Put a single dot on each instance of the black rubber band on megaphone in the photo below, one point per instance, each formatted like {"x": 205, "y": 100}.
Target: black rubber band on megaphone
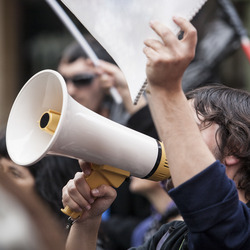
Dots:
{"x": 158, "y": 160}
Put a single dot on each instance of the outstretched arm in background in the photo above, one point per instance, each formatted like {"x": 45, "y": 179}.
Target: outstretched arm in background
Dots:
{"x": 112, "y": 76}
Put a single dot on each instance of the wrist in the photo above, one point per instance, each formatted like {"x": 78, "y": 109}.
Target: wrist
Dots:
{"x": 90, "y": 225}
{"x": 89, "y": 221}
{"x": 168, "y": 90}
{"x": 162, "y": 96}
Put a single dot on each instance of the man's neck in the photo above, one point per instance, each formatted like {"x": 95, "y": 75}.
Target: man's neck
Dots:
{"x": 242, "y": 198}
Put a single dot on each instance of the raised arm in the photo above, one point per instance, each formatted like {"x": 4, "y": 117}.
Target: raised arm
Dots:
{"x": 186, "y": 151}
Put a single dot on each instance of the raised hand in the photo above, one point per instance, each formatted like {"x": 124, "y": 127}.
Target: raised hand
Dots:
{"x": 169, "y": 58}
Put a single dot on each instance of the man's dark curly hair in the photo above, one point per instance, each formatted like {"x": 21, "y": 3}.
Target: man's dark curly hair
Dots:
{"x": 230, "y": 109}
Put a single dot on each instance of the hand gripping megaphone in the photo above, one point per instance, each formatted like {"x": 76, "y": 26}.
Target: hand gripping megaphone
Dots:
{"x": 45, "y": 119}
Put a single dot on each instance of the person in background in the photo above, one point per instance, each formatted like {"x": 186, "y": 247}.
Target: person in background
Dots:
{"x": 83, "y": 80}
{"x": 26, "y": 222}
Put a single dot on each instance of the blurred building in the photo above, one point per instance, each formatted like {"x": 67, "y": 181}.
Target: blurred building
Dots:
{"x": 32, "y": 38}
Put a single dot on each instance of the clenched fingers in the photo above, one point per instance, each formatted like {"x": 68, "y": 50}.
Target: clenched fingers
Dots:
{"x": 76, "y": 194}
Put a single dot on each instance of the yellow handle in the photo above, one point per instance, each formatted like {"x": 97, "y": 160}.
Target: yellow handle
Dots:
{"x": 101, "y": 174}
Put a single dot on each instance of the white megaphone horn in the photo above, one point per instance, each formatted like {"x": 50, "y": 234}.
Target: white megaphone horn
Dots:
{"x": 45, "y": 119}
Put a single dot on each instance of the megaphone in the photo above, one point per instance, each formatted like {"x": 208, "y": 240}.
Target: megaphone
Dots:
{"x": 46, "y": 120}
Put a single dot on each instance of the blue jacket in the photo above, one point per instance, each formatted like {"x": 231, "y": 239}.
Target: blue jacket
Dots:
{"x": 214, "y": 217}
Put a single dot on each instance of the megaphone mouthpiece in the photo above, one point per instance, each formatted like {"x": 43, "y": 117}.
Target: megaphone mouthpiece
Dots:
{"x": 49, "y": 121}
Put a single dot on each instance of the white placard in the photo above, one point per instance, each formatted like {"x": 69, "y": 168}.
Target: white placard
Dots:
{"x": 121, "y": 26}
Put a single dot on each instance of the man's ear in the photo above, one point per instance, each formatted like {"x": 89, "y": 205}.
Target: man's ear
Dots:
{"x": 232, "y": 167}
{"x": 231, "y": 160}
